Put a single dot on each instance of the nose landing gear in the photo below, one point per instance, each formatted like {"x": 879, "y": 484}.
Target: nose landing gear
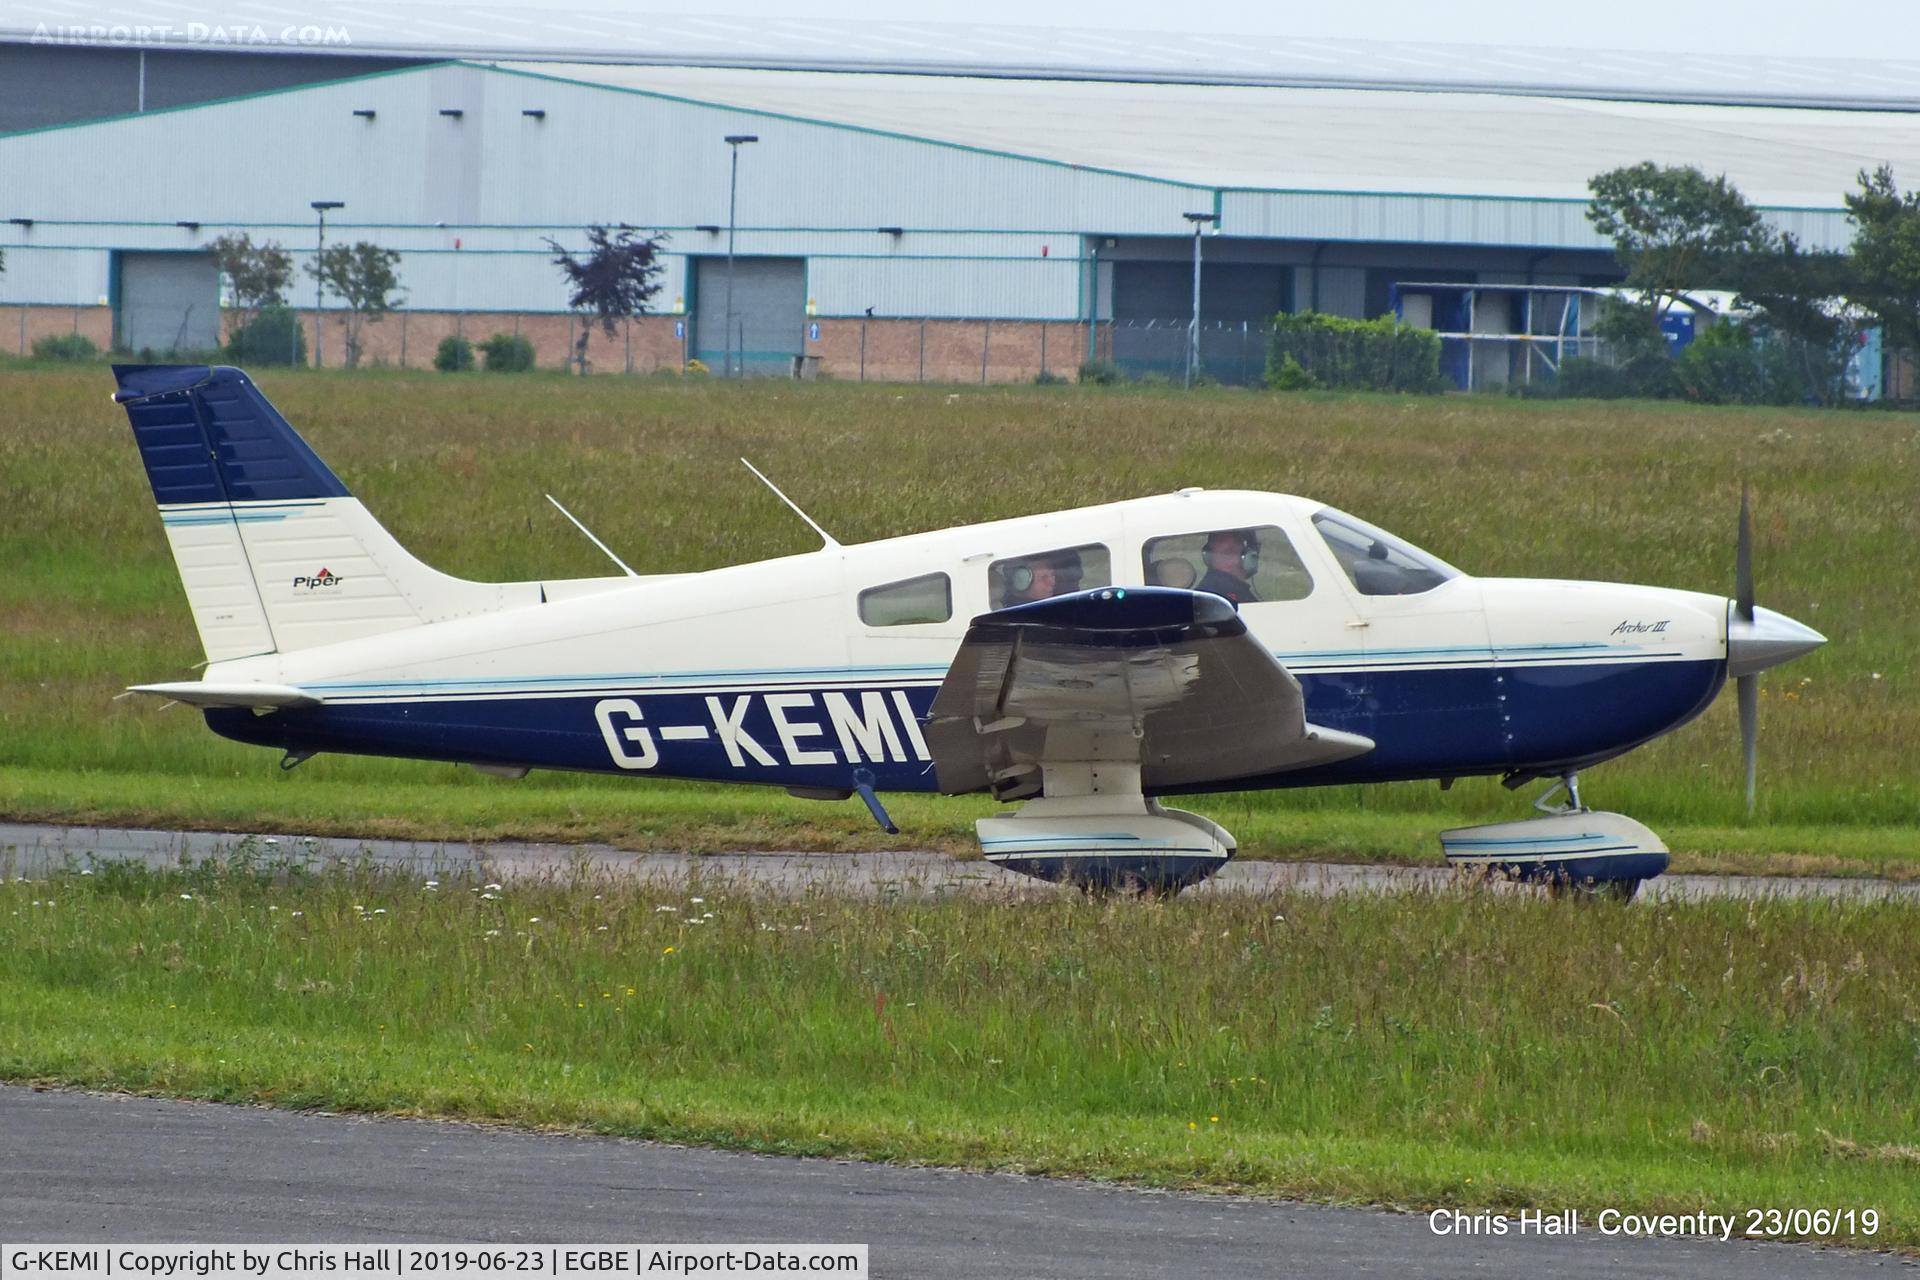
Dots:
{"x": 1572, "y": 850}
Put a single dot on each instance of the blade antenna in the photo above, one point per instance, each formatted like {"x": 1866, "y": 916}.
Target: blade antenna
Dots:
{"x": 831, "y": 543}
{"x": 624, "y": 566}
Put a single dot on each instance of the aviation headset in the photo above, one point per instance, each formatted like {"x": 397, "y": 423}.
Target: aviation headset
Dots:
{"x": 1249, "y": 548}
{"x": 1020, "y": 578}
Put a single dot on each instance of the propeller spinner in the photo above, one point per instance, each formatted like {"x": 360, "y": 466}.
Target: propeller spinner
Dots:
{"x": 1757, "y": 639}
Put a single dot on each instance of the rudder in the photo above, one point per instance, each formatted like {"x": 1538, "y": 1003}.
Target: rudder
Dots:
{"x": 275, "y": 554}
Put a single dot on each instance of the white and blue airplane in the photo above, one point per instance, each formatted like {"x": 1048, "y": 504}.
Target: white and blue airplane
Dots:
{"x": 1087, "y": 663}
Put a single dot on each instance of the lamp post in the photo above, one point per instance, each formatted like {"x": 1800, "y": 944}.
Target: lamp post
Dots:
{"x": 1198, "y": 220}
{"x": 733, "y": 192}
{"x": 320, "y": 207}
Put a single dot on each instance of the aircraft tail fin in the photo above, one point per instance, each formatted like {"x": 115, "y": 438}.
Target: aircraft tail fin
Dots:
{"x": 275, "y": 554}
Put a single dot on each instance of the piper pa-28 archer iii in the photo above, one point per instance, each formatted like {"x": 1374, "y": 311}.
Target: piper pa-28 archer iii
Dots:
{"x": 1086, "y": 662}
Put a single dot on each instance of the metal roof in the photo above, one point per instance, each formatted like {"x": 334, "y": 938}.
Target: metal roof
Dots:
{"x": 580, "y": 30}
{"x": 1378, "y": 142}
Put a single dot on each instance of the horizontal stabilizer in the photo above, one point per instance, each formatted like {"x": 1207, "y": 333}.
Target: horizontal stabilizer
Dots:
{"x": 203, "y": 694}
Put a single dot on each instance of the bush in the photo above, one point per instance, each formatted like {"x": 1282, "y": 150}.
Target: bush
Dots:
{"x": 1366, "y": 355}
{"x": 507, "y": 353}
{"x": 453, "y": 355}
{"x": 697, "y": 368}
{"x": 1290, "y": 376}
{"x": 1585, "y": 378}
{"x": 1101, "y": 373}
{"x": 1047, "y": 378}
{"x": 65, "y": 346}
{"x": 274, "y": 336}
{"x": 1724, "y": 366}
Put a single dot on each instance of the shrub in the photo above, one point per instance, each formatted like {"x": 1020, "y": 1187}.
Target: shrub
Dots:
{"x": 1290, "y": 376}
{"x": 453, "y": 355}
{"x": 274, "y": 336}
{"x": 1047, "y": 378}
{"x": 1103, "y": 373}
{"x": 1723, "y": 366}
{"x": 507, "y": 353}
{"x": 65, "y": 346}
{"x": 1585, "y": 378}
{"x": 697, "y": 368}
{"x": 1368, "y": 355}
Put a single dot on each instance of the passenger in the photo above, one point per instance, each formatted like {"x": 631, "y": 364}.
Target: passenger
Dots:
{"x": 1233, "y": 557}
{"x": 1031, "y": 580}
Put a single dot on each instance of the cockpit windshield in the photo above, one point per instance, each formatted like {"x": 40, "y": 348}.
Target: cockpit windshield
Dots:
{"x": 1377, "y": 563}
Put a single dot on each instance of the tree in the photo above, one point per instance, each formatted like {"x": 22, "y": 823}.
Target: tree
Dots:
{"x": 364, "y": 277}
{"x": 257, "y": 274}
{"x": 1886, "y": 251}
{"x": 1669, "y": 226}
{"x": 612, "y": 281}
{"x": 1801, "y": 300}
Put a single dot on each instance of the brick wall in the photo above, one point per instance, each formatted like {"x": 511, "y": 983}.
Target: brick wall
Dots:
{"x": 21, "y": 327}
{"x": 896, "y": 350}
{"x": 948, "y": 350}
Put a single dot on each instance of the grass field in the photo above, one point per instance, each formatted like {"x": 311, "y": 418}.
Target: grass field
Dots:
{"x": 457, "y": 467}
{"x": 1457, "y": 1048}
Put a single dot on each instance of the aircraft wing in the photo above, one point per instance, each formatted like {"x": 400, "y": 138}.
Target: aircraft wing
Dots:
{"x": 201, "y": 694}
{"x": 1169, "y": 680}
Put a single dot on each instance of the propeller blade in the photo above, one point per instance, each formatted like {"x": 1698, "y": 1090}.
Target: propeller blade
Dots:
{"x": 1749, "y": 691}
{"x": 1743, "y": 563}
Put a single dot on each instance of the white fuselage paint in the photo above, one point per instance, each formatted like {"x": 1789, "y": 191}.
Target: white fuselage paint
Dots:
{"x": 750, "y": 638}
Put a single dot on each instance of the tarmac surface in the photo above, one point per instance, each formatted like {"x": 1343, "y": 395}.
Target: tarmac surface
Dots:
{"x": 84, "y": 1168}
{"x": 33, "y": 850}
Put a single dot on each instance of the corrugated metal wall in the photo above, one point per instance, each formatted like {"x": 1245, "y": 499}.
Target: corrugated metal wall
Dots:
{"x": 451, "y": 171}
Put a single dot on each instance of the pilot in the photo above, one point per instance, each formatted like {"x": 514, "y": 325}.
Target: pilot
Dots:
{"x": 1233, "y": 557}
{"x": 1030, "y": 580}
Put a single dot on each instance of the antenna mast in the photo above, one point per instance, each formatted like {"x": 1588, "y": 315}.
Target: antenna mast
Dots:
{"x": 624, "y": 567}
{"x": 831, "y": 543}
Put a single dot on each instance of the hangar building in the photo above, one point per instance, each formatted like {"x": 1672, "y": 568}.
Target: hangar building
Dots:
{"x": 893, "y": 226}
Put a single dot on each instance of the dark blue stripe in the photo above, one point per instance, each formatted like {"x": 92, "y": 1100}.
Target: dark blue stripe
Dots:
{"x": 1426, "y": 724}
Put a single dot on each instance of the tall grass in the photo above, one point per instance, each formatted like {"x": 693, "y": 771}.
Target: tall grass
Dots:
{"x": 89, "y": 600}
{"x": 1449, "y": 1048}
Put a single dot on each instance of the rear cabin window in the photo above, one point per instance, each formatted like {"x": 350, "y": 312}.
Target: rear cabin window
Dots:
{"x": 1247, "y": 566}
{"x": 908, "y": 602}
{"x": 1024, "y": 579}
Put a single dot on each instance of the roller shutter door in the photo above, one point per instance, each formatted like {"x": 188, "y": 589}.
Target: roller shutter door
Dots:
{"x": 770, "y": 313}
{"x": 169, "y": 302}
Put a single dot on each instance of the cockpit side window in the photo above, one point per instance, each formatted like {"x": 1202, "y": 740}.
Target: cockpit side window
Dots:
{"x": 1247, "y": 566}
{"x": 910, "y": 602}
{"x": 1376, "y": 562}
{"x": 1026, "y": 578}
